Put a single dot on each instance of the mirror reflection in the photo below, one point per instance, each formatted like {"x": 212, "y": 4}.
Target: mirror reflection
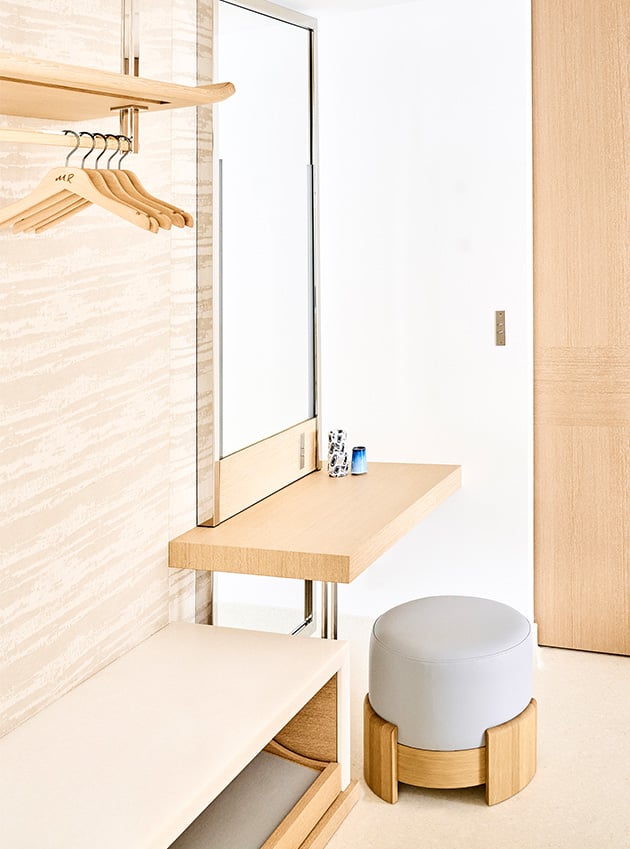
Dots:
{"x": 264, "y": 144}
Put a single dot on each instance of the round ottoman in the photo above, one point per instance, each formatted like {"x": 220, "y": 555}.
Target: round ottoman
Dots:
{"x": 450, "y": 698}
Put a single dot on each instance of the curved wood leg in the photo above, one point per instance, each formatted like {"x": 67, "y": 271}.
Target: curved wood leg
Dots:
{"x": 380, "y": 758}
{"x": 506, "y": 764}
{"x": 511, "y": 755}
{"x": 441, "y": 770}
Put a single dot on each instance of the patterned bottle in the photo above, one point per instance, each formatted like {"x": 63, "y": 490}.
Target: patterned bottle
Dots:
{"x": 337, "y": 454}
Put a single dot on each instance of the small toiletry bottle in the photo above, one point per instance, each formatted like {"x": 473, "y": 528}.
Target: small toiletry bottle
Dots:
{"x": 359, "y": 460}
{"x": 337, "y": 454}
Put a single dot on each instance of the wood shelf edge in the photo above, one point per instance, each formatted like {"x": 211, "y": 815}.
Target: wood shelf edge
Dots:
{"x": 188, "y": 551}
{"x": 23, "y": 80}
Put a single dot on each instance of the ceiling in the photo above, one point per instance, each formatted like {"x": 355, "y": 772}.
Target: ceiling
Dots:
{"x": 315, "y": 6}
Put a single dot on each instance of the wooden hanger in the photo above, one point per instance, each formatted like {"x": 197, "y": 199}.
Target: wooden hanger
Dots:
{"x": 135, "y": 191}
{"x": 44, "y": 215}
{"x": 132, "y": 185}
{"x": 76, "y": 181}
{"x": 6, "y": 218}
{"x": 49, "y": 217}
{"x": 186, "y": 217}
{"x": 39, "y": 211}
{"x": 122, "y": 188}
{"x": 65, "y": 191}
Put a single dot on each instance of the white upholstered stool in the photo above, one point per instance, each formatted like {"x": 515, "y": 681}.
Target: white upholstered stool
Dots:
{"x": 450, "y": 698}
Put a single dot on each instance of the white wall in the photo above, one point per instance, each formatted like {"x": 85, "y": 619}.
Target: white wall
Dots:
{"x": 425, "y": 128}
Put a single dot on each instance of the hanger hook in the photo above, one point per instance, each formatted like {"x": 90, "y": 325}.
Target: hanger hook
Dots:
{"x": 118, "y": 139}
{"x": 127, "y": 152}
{"x": 102, "y": 136}
{"x": 91, "y": 135}
{"x": 76, "y": 147}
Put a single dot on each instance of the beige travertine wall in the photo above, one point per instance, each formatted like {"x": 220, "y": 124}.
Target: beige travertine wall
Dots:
{"x": 97, "y": 435}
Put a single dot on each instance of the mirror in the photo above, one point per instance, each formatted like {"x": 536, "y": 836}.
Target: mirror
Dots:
{"x": 263, "y": 145}
{"x": 265, "y": 409}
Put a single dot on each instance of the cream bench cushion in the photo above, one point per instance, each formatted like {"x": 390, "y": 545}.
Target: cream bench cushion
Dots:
{"x": 130, "y": 757}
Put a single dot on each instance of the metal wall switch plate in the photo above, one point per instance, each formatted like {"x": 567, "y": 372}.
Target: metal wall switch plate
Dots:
{"x": 499, "y": 326}
{"x": 302, "y": 450}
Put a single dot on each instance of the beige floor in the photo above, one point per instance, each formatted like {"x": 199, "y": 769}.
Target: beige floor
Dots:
{"x": 579, "y": 798}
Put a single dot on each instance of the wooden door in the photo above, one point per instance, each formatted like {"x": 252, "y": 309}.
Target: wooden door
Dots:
{"x": 581, "y": 79}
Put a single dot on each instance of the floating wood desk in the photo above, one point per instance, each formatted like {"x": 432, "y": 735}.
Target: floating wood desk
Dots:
{"x": 320, "y": 528}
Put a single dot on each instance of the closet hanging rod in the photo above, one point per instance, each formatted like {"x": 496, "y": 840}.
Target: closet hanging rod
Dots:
{"x": 48, "y": 137}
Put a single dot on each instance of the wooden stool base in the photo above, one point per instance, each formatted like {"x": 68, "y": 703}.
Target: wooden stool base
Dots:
{"x": 506, "y": 764}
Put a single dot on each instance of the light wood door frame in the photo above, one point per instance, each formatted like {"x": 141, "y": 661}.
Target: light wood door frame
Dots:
{"x": 581, "y": 99}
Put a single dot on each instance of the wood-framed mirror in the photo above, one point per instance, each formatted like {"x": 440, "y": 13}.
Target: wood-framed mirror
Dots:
{"x": 264, "y": 334}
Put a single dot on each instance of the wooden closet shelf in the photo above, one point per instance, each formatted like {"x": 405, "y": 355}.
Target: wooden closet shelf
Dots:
{"x": 37, "y": 89}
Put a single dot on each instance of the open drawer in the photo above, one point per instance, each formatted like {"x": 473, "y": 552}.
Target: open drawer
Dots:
{"x": 276, "y": 801}
{"x": 289, "y": 796}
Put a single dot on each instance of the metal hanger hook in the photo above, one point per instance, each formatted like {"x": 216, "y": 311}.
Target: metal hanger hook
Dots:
{"x": 118, "y": 139}
{"x": 127, "y": 152}
{"x": 76, "y": 147}
{"x": 91, "y": 135}
{"x": 102, "y": 136}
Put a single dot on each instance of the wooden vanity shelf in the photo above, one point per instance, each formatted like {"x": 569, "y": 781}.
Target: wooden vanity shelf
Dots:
{"x": 35, "y": 88}
{"x": 321, "y": 528}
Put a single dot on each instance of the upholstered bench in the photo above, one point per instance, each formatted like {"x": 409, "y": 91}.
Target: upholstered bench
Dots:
{"x": 450, "y": 698}
{"x": 199, "y": 736}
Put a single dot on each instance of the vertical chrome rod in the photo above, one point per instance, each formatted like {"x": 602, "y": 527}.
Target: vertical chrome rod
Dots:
{"x": 332, "y": 626}
{"x": 308, "y": 609}
{"x": 324, "y": 623}
{"x": 130, "y": 62}
{"x": 329, "y": 611}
